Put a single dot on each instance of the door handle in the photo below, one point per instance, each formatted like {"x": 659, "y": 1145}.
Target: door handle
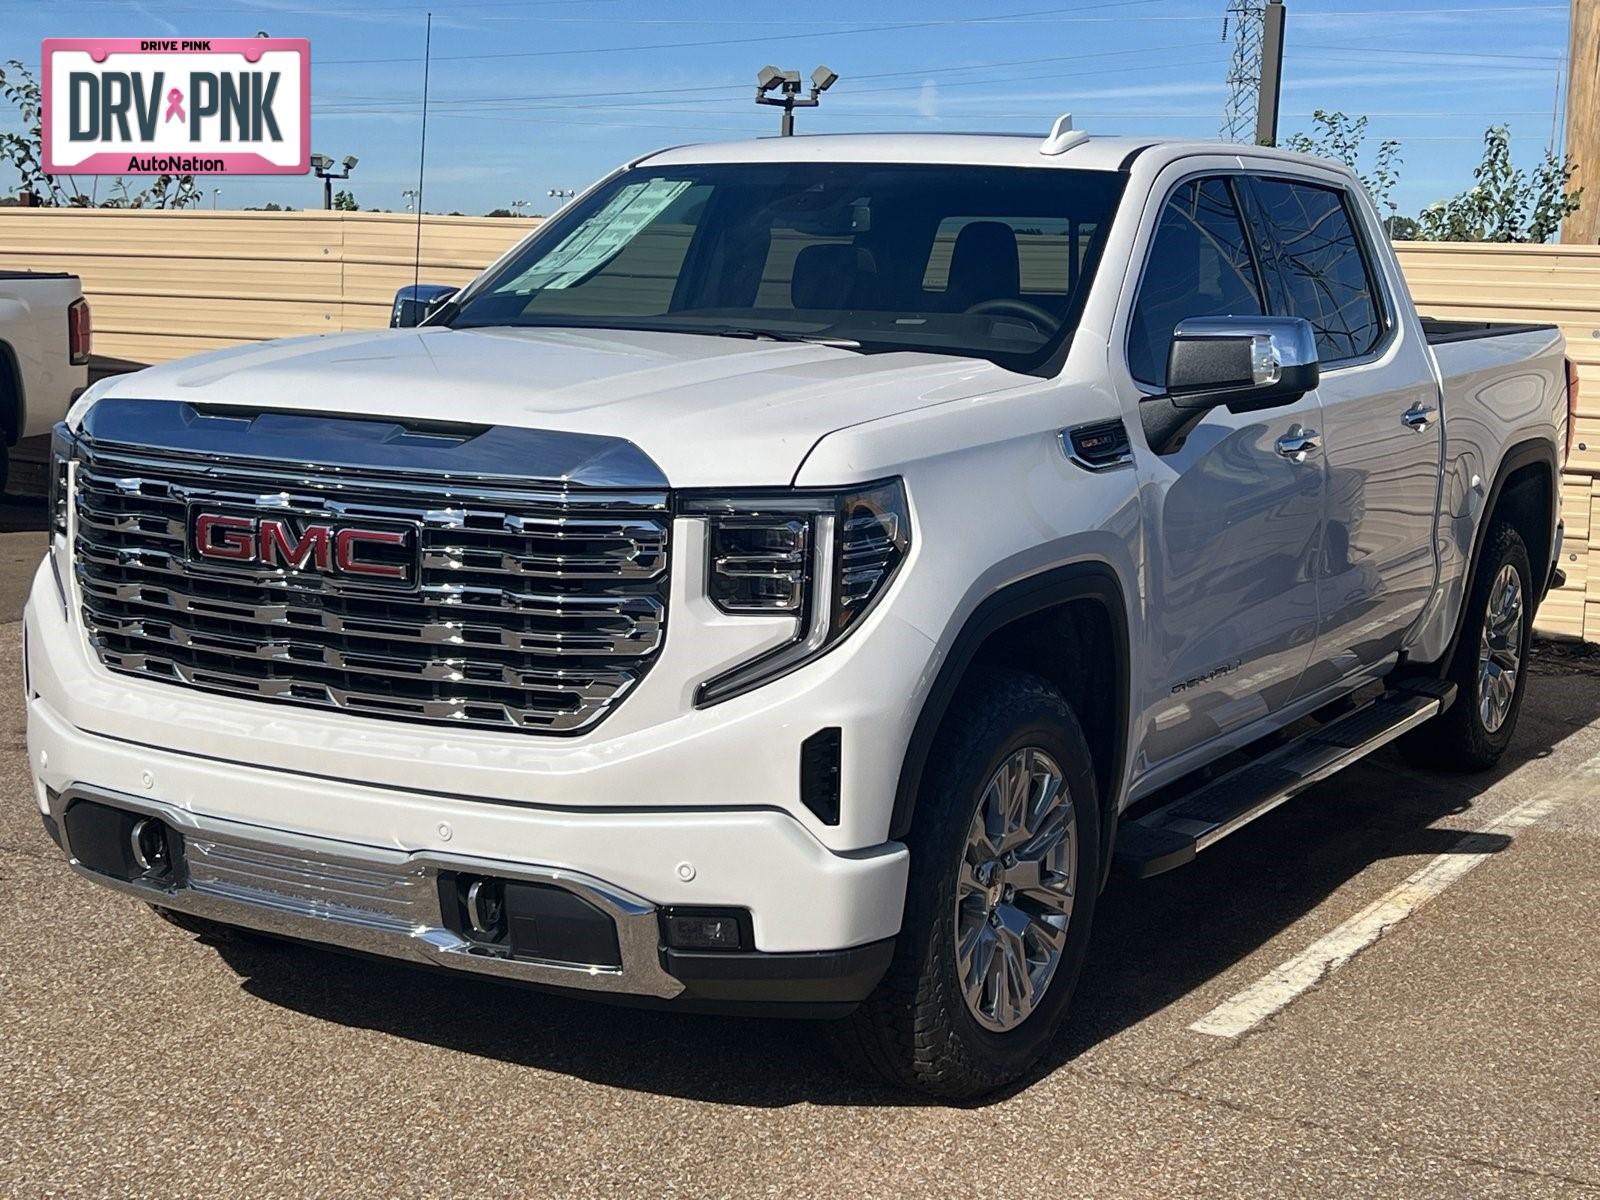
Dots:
{"x": 1298, "y": 443}
{"x": 1418, "y": 417}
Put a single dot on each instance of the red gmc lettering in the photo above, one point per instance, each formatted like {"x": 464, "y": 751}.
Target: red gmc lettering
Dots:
{"x": 234, "y": 540}
{"x": 280, "y": 548}
{"x": 347, "y": 542}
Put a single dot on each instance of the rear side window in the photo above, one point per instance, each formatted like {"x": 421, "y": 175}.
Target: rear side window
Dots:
{"x": 1314, "y": 266}
{"x": 1199, "y": 266}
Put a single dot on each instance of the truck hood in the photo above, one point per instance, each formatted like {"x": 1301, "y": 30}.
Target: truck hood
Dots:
{"x": 710, "y": 411}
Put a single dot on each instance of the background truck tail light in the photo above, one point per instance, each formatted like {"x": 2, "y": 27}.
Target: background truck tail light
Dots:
{"x": 80, "y": 333}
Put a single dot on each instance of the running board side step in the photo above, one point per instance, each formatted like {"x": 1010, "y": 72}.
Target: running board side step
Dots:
{"x": 1172, "y": 835}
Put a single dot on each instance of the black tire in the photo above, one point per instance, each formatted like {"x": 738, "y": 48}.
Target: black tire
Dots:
{"x": 1459, "y": 739}
{"x": 916, "y": 1029}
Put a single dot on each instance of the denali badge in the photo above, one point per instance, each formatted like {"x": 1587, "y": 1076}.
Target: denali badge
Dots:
{"x": 301, "y": 545}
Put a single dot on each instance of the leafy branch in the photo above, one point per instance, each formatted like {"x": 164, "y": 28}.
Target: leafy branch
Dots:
{"x": 1505, "y": 204}
{"x": 25, "y": 152}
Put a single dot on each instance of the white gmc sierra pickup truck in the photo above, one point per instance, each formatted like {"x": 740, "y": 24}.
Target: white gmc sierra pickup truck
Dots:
{"x": 44, "y": 354}
{"x": 794, "y": 576}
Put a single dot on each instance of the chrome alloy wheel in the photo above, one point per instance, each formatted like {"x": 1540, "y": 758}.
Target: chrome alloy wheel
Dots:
{"x": 1019, "y": 873}
{"x": 1500, "y": 651}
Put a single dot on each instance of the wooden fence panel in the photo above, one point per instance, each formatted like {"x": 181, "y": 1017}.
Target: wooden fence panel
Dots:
{"x": 167, "y": 284}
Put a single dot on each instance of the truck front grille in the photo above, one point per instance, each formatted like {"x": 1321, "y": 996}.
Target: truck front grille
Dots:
{"x": 535, "y": 610}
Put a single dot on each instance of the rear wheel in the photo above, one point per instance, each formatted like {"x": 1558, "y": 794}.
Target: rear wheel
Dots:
{"x": 1005, "y": 870}
{"x": 1490, "y": 664}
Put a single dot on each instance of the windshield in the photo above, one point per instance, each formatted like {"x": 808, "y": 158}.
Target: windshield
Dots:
{"x": 988, "y": 262}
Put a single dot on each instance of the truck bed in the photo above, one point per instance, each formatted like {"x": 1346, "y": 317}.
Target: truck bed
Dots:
{"x": 1441, "y": 332}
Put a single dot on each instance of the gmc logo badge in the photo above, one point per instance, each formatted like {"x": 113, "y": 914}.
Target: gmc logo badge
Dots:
{"x": 371, "y": 554}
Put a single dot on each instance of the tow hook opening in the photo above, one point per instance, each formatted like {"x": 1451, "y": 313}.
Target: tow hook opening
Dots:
{"x": 124, "y": 845}
{"x": 512, "y": 918}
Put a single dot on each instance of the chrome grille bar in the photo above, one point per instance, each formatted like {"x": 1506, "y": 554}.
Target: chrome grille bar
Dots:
{"x": 535, "y": 608}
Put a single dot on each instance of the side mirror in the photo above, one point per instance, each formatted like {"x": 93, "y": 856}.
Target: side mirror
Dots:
{"x": 1244, "y": 364}
{"x": 415, "y": 303}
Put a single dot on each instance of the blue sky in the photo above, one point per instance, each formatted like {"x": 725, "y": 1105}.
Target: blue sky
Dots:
{"x": 529, "y": 95}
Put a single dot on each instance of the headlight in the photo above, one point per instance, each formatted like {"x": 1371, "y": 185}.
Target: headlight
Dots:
{"x": 824, "y": 557}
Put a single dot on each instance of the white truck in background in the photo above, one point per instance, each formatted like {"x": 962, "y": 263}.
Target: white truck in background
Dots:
{"x": 44, "y": 354}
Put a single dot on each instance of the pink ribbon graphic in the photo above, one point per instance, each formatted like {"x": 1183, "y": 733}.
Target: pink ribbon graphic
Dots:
{"x": 175, "y": 106}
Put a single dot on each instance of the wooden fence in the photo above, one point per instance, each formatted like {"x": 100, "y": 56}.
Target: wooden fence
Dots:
{"x": 1559, "y": 284}
{"x": 166, "y": 284}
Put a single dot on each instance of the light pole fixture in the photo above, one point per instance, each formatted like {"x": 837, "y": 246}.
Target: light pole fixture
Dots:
{"x": 782, "y": 88}
{"x": 410, "y": 197}
{"x": 215, "y": 192}
{"x": 517, "y": 206}
{"x": 562, "y": 195}
{"x": 323, "y": 166}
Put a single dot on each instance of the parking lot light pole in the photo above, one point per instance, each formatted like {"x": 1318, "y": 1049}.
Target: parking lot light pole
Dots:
{"x": 323, "y": 166}
{"x": 782, "y": 89}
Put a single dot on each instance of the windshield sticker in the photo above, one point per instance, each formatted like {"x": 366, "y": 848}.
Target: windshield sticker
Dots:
{"x": 602, "y": 236}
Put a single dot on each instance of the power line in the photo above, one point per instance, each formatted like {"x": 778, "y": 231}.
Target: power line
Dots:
{"x": 515, "y": 102}
{"x": 1538, "y": 58}
{"x": 749, "y": 41}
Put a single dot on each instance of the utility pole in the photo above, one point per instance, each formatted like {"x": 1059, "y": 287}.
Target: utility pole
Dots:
{"x": 1271, "y": 74}
{"x": 1583, "y": 122}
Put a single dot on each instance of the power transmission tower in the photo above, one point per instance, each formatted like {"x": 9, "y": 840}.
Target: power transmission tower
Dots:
{"x": 1244, "y": 68}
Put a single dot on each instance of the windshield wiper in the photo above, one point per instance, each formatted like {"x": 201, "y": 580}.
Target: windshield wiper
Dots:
{"x": 778, "y": 335}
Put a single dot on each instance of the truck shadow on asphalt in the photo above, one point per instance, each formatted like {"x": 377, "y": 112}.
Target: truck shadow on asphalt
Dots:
{"x": 22, "y": 514}
{"x": 1155, "y": 942}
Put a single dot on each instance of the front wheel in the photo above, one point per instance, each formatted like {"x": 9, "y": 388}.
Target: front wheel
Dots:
{"x": 1005, "y": 870}
{"x": 1490, "y": 667}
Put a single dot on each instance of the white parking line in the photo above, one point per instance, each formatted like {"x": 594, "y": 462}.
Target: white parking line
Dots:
{"x": 1276, "y": 990}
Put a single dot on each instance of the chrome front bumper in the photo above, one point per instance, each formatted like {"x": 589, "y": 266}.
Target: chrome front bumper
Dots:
{"x": 363, "y": 898}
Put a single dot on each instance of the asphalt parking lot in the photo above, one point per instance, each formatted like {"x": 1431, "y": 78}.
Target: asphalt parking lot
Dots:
{"x": 1458, "y": 1054}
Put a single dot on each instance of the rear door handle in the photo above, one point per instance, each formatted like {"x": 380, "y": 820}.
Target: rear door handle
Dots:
{"x": 1417, "y": 417}
{"x": 1298, "y": 443}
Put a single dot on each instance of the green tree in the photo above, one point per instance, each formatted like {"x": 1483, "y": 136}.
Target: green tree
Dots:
{"x": 1340, "y": 138}
{"x": 25, "y": 152}
{"x": 1505, "y": 204}
{"x": 345, "y": 202}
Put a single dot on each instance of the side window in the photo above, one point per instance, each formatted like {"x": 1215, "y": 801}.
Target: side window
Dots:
{"x": 1199, "y": 266}
{"x": 1311, "y": 255}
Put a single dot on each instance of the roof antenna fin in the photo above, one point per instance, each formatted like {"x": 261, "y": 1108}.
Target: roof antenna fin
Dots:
{"x": 1063, "y": 136}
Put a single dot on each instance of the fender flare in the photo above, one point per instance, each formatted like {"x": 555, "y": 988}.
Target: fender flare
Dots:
{"x": 1091, "y": 580}
{"x": 1533, "y": 451}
